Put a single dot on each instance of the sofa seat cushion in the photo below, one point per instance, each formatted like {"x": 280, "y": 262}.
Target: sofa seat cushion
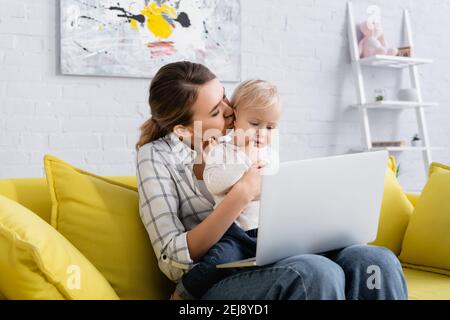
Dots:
{"x": 424, "y": 285}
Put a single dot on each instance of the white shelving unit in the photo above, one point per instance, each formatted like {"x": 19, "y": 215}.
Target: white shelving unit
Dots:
{"x": 401, "y": 63}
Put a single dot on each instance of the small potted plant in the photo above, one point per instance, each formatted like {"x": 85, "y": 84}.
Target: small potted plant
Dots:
{"x": 416, "y": 141}
{"x": 380, "y": 95}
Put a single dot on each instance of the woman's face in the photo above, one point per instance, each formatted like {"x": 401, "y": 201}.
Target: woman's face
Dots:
{"x": 212, "y": 112}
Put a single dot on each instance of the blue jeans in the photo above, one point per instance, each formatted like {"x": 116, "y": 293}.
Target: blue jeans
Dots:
{"x": 358, "y": 272}
{"x": 235, "y": 245}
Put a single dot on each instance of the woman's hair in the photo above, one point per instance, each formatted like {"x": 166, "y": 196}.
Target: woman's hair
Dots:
{"x": 255, "y": 94}
{"x": 173, "y": 91}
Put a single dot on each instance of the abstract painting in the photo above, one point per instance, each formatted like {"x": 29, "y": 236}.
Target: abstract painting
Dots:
{"x": 134, "y": 38}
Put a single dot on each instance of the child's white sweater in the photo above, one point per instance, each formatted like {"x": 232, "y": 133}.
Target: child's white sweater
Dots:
{"x": 225, "y": 164}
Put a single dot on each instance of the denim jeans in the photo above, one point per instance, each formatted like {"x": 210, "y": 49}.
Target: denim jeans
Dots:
{"x": 235, "y": 245}
{"x": 357, "y": 272}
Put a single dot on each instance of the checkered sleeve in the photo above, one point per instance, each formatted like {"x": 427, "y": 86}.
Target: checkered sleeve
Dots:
{"x": 158, "y": 206}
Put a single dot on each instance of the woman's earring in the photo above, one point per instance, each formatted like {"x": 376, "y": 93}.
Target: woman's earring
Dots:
{"x": 180, "y": 137}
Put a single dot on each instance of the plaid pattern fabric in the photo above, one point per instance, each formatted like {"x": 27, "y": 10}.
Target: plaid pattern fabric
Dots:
{"x": 170, "y": 201}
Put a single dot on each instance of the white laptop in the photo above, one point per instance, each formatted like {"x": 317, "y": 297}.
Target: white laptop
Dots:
{"x": 318, "y": 205}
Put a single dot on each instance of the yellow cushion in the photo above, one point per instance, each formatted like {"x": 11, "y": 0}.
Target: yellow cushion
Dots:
{"x": 395, "y": 213}
{"x": 36, "y": 262}
{"x": 392, "y": 164}
{"x": 413, "y": 198}
{"x": 101, "y": 218}
{"x": 33, "y": 194}
{"x": 424, "y": 285}
{"x": 427, "y": 239}
{"x": 438, "y": 167}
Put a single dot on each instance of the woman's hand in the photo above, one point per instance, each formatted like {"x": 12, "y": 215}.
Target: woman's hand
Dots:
{"x": 250, "y": 183}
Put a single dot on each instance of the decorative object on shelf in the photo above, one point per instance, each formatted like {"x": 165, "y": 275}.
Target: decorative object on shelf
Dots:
{"x": 416, "y": 141}
{"x": 373, "y": 43}
{"x": 404, "y": 52}
{"x": 380, "y": 95}
{"x": 134, "y": 38}
{"x": 409, "y": 94}
{"x": 388, "y": 144}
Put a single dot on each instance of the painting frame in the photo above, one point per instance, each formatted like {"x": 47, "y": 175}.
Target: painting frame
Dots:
{"x": 227, "y": 68}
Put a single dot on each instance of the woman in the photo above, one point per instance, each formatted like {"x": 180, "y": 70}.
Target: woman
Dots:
{"x": 189, "y": 107}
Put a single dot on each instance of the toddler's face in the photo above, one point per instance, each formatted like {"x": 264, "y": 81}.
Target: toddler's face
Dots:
{"x": 256, "y": 125}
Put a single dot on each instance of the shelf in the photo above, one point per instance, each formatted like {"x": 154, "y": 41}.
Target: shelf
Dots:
{"x": 401, "y": 149}
{"x": 398, "y": 149}
{"x": 395, "y": 105}
{"x": 392, "y": 61}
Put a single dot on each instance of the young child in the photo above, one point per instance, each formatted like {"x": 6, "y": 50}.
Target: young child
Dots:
{"x": 257, "y": 111}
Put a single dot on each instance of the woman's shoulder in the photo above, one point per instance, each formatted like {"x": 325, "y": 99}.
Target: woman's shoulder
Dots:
{"x": 163, "y": 144}
{"x": 168, "y": 150}
{"x": 154, "y": 150}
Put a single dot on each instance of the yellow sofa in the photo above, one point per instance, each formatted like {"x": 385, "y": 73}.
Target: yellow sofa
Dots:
{"x": 33, "y": 194}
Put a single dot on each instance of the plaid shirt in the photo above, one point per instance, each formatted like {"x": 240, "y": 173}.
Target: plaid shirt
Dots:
{"x": 170, "y": 201}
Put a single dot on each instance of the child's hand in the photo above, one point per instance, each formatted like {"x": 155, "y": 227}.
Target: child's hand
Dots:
{"x": 250, "y": 183}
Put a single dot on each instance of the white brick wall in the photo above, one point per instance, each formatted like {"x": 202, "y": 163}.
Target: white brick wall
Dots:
{"x": 300, "y": 45}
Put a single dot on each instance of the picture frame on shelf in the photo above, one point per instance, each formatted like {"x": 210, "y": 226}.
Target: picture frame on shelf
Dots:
{"x": 404, "y": 52}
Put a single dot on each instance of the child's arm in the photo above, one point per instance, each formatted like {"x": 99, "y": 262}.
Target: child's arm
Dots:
{"x": 219, "y": 179}
{"x": 222, "y": 171}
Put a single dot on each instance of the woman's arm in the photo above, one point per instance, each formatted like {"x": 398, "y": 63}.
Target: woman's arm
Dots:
{"x": 175, "y": 248}
{"x": 158, "y": 208}
{"x": 205, "y": 235}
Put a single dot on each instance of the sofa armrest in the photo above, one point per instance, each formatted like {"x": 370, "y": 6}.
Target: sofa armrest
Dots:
{"x": 413, "y": 198}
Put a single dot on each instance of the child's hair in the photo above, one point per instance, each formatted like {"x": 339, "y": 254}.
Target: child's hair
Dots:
{"x": 255, "y": 94}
